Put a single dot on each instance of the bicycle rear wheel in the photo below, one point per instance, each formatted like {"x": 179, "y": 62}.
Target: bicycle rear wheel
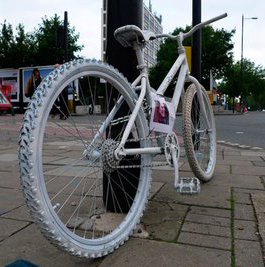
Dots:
{"x": 85, "y": 201}
{"x": 199, "y": 141}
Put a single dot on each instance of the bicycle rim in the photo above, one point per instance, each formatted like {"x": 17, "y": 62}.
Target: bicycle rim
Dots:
{"x": 85, "y": 202}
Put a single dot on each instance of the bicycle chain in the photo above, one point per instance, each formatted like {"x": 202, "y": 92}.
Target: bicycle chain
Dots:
{"x": 125, "y": 119}
{"x": 136, "y": 166}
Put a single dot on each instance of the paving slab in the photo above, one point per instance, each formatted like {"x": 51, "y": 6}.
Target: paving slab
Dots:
{"x": 244, "y": 212}
{"x": 10, "y": 180}
{"x": 236, "y": 162}
{"x": 222, "y": 169}
{"x": 9, "y": 157}
{"x": 139, "y": 252}
{"x": 253, "y": 154}
{"x": 163, "y": 222}
{"x": 206, "y": 229}
{"x": 258, "y": 199}
{"x": 249, "y": 190}
{"x": 211, "y": 220}
{"x": 9, "y": 227}
{"x": 155, "y": 187}
{"x": 29, "y": 244}
{"x": 8, "y": 166}
{"x": 245, "y": 230}
{"x": 21, "y": 213}
{"x": 231, "y": 152}
{"x": 225, "y": 213}
{"x": 219, "y": 169}
{"x": 214, "y": 196}
{"x": 246, "y": 170}
{"x": 163, "y": 177}
{"x": 259, "y": 163}
{"x": 10, "y": 199}
{"x": 248, "y": 253}
{"x": 243, "y": 198}
{"x": 218, "y": 242}
{"x": 5, "y": 147}
{"x": 244, "y": 158}
{"x": 235, "y": 180}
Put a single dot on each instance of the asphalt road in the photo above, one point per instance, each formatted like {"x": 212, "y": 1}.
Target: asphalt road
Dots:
{"x": 247, "y": 129}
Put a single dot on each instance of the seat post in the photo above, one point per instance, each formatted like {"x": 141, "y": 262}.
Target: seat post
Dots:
{"x": 140, "y": 59}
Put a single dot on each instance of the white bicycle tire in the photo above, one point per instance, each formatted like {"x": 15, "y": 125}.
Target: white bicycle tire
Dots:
{"x": 31, "y": 170}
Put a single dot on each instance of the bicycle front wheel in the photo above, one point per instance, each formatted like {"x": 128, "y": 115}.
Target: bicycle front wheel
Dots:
{"x": 199, "y": 140}
{"x": 85, "y": 201}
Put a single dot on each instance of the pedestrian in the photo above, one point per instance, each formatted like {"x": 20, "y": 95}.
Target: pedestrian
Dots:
{"x": 32, "y": 83}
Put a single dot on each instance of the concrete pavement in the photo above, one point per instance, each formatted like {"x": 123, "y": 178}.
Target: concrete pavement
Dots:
{"x": 222, "y": 226}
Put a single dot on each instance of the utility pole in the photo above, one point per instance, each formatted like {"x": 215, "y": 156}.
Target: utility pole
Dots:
{"x": 120, "y": 13}
{"x": 196, "y": 58}
{"x": 196, "y": 40}
{"x": 66, "y": 54}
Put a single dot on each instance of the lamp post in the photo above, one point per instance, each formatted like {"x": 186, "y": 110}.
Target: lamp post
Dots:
{"x": 242, "y": 48}
{"x": 196, "y": 40}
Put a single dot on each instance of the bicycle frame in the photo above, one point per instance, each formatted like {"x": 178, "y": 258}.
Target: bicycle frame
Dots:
{"x": 180, "y": 65}
{"x": 142, "y": 82}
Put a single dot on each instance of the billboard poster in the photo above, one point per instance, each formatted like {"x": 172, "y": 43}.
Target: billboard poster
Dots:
{"x": 9, "y": 77}
{"x": 26, "y": 76}
{"x": 3, "y": 100}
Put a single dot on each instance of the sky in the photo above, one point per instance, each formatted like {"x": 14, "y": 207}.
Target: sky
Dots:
{"x": 85, "y": 16}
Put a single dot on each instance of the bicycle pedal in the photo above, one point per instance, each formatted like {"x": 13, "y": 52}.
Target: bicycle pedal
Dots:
{"x": 188, "y": 186}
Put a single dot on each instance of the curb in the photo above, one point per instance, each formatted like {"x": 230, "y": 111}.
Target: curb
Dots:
{"x": 240, "y": 146}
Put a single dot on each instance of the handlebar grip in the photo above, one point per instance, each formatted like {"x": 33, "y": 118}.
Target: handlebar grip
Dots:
{"x": 200, "y": 25}
{"x": 214, "y": 19}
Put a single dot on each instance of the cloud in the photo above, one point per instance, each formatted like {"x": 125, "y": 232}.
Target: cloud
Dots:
{"x": 86, "y": 17}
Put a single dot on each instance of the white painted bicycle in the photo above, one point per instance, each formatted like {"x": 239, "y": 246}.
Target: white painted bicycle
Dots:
{"x": 86, "y": 179}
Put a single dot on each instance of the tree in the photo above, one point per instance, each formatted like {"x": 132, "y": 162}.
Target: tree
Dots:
{"x": 47, "y": 52}
{"x": 22, "y": 48}
{"x": 36, "y": 48}
{"x": 6, "y": 43}
{"x": 216, "y": 54}
{"x": 252, "y": 83}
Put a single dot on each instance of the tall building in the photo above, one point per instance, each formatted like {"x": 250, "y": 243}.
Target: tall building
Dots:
{"x": 104, "y": 30}
{"x": 151, "y": 22}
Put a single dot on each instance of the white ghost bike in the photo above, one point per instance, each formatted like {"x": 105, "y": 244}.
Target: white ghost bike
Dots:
{"x": 86, "y": 179}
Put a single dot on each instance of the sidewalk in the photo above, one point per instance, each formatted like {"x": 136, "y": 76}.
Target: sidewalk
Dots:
{"x": 222, "y": 226}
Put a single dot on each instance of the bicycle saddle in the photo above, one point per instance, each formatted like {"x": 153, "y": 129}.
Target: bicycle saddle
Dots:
{"x": 130, "y": 34}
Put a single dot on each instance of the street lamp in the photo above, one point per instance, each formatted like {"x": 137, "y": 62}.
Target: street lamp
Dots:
{"x": 242, "y": 40}
{"x": 242, "y": 46}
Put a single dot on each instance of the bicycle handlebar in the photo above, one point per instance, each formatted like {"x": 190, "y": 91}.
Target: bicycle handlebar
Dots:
{"x": 200, "y": 25}
{"x": 195, "y": 28}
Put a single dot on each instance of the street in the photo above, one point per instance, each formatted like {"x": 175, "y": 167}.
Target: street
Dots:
{"x": 248, "y": 129}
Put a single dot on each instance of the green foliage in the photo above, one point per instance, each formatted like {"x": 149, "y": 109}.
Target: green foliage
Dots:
{"x": 36, "y": 48}
{"x": 45, "y": 37}
{"x": 13, "y": 49}
{"x": 216, "y": 54}
{"x": 248, "y": 82}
